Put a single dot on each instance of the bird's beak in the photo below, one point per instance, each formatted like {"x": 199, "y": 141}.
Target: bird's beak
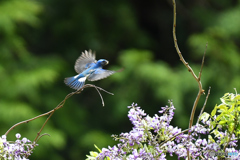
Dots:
{"x": 107, "y": 62}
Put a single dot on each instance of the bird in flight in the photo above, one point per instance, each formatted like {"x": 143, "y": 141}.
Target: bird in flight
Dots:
{"x": 87, "y": 68}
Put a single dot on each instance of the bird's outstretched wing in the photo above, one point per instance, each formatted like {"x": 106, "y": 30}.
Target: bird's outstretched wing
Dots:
{"x": 86, "y": 60}
{"x": 74, "y": 82}
{"x": 100, "y": 74}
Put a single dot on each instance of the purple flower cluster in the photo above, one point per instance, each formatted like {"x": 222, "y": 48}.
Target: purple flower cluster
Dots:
{"x": 18, "y": 150}
{"x": 152, "y": 138}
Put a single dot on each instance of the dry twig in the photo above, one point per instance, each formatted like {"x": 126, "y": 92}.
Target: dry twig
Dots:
{"x": 60, "y": 105}
{"x": 204, "y": 105}
{"x": 197, "y": 78}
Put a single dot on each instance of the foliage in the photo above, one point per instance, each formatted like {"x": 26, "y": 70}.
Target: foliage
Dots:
{"x": 228, "y": 117}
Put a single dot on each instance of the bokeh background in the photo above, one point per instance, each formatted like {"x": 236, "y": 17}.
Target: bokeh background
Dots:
{"x": 41, "y": 39}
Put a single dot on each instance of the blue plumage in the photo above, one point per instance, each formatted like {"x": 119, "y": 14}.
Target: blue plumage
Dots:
{"x": 87, "y": 68}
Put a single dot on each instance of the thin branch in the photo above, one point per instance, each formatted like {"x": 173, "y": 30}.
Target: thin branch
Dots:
{"x": 201, "y": 91}
{"x": 187, "y": 65}
{"x": 200, "y": 73}
{"x": 100, "y": 95}
{"x": 45, "y": 134}
{"x": 103, "y": 90}
{"x": 44, "y": 124}
{"x": 44, "y": 114}
{"x": 204, "y": 105}
{"x": 35, "y": 142}
{"x": 26, "y": 121}
{"x": 173, "y": 137}
{"x": 60, "y": 105}
{"x": 176, "y": 44}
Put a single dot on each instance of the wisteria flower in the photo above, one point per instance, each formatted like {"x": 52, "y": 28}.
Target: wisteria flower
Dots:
{"x": 154, "y": 138}
{"x": 19, "y": 150}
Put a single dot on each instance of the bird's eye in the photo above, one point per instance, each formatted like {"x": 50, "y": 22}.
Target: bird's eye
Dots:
{"x": 104, "y": 62}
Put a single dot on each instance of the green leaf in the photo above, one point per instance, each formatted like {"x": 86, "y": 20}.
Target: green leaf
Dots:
{"x": 232, "y": 108}
{"x": 100, "y": 151}
{"x": 237, "y": 98}
{"x": 231, "y": 126}
{"x": 213, "y": 113}
{"x": 222, "y": 107}
{"x": 222, "y": 122}
{"x": 212, "y": 125}
{"x": 211, "y": 139}
{"x": 204, "y": 116}
{"x": 93, "y": 154}
{"x": 219, "y": 116}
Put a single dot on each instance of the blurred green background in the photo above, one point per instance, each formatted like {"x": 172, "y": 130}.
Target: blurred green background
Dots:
{"x": 41, "y": 39}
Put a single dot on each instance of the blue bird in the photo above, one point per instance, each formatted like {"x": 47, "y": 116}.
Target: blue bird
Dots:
{"x": 87, "y": 68}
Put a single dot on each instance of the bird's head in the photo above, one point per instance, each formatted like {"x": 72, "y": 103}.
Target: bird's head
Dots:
{"x": 102, "y": 62}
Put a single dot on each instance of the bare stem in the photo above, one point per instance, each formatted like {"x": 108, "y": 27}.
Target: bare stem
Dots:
{"x": 44, "y": 124}
{"x": 60, "y": 105}
{"x": 201, "y": 91}
{"x": 204, "y": 104}
{"x": 173, "y": 137}
{"x": 26, "y": 121}
{"x": 198, "y": 79}
{"x": 200, "y": 73}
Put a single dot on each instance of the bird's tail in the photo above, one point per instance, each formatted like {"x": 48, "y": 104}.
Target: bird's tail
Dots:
{"x": 75, "y": 82}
